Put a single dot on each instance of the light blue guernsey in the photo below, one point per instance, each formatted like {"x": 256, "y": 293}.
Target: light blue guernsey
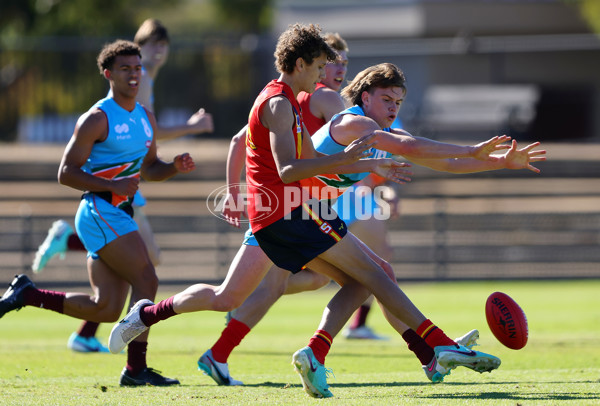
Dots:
{"x": 324, "y": 143}
{"x": 121, "y": 154}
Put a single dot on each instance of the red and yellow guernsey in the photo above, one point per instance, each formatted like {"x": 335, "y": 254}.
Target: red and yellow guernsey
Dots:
{"x": 269, "y": 199}
{"x": 312, "y": 122}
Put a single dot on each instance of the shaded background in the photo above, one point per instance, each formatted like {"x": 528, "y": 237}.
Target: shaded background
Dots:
{"x": 474, "y": 68}
{"x": 528, "y": 68}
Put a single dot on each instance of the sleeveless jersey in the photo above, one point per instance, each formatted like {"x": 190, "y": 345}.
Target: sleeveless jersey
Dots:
{"x": 121, "y": 154}
{"x": 145, "y": 97}
{"x": 333, "y": 185}
{"x": 269, "y": 199}
{"x": 312, "y": 122}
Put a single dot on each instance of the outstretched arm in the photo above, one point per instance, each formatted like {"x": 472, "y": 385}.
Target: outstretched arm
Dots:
{"x": 350, "y": 127}
{"x": 514, "y": 158}
{"x": 522, "y": 158}
{"x": 400, "y": 142}
{"x": 154, "y": 169}
{"x": 392, "y": 170}
{"x": 199, "y": 122}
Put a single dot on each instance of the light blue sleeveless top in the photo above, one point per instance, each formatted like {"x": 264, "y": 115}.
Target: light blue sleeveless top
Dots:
{"x": 324, "y": 143}
{"x": 129, "y": 136}
{"x": 138, "y": 199}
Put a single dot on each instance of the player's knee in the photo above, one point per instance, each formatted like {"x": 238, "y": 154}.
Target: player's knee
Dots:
{"x": 273, "y": 292}
{"x": 108, "y": 311}
{"x": 318, "y": 281}
{"x": 112, "y": 315}
{"x": 155, "y": 260}
{"x": 155, "y": 257}
{"x": 149, "y": 280}
{"x": 226, "y": 303}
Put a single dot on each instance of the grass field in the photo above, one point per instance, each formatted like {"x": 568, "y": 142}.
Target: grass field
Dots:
{"x": 559, "y": 366}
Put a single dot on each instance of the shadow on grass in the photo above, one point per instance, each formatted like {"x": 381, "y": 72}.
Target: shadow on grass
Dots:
{"x": 345, "y": 385}
{"x": 336, "y": 354}
{"x": 537, "y": 396}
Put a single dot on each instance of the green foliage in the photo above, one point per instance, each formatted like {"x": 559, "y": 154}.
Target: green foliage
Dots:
{"x": 244, "y": 15}
{"x": 559, "y": 366}
{"x": 47, "y": 63}
{"x": 72, "y": 18}
{"x": 120, "y": 18}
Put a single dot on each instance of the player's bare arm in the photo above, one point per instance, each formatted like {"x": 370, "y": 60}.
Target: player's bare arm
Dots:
{"x": 235, "y": 165}
{"x": 388, "y": 168}
{"x": 400, "y": 142}
{"x": 325, "y": 103}
{"x": 513, "y": 158}
{"x": 350, "y": 127}
{"x": 154, "y": 169}
{"x": 277, "y": 116}
{"x": 308, "y": 148}
{"x": 145, "y": 91}
{"x": 92, "y": 127}
{"x": 199, "y": 122}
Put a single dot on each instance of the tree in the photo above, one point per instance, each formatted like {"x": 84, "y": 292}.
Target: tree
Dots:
{"x": 252, "y": 16}
{"x": 105, "y": 18}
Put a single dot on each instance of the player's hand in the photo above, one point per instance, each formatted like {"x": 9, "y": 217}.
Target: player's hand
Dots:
{"x": 232, "y": 211}
{"x": 392, "y": 170}
{"x": 483, "y": 150}
{"x": 201, "y": 122}
{"x": 521, "y": 158}
{"x": 125, "y": 186}
{"x": 359, "y": 149}
{"x": 184, "y": 163}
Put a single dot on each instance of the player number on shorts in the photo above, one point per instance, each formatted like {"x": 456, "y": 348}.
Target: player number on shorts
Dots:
{"x": 326, "y": 228}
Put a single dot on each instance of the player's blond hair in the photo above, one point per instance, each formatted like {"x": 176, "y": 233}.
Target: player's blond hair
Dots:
{"x": 151, "y": 30}
{"x": 335, "y": 41}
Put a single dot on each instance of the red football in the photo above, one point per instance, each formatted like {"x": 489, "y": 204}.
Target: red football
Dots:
{"x": 507, "y": 320}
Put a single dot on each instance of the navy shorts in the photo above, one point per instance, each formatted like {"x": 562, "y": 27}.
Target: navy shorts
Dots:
{"x": 300, "y": 236}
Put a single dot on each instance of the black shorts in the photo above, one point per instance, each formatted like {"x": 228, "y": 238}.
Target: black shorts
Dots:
{"x": 302, "y": 235}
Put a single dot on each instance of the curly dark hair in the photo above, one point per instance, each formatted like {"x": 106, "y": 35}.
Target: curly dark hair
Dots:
{"x": 106, "y": 57}
{"x": 300, "y": 41}
{"x": 383, "y": 75}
